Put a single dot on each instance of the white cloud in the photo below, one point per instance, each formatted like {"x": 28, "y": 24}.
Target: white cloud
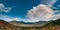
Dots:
{"x": 55, "y": 8}
{"x": 4, "y": 9}
{"x": 57, "y": 16}
{"x": 41, "y": 13}
{"x": 31, "y": 20}
{"x": 56, "y": 11}
{"x": 49, "y": 2}
{"x": 9, "y": 18}
{"x": 58, "y": 5}
{"x": 3, "y": 17}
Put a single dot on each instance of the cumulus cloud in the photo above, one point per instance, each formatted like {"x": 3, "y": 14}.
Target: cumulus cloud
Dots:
{"x": 4, "y": 9}
{"x": 41, "y": 13}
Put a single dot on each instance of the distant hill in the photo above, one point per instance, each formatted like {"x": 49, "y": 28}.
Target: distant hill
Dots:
{"x": 54, "y": 23}
{"x": 6, "y": 26}
{"x": 21, "y": 22}
{"x": 28, "y": 24}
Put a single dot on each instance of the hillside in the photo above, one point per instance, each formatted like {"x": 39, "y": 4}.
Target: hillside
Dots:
{"x": 29, "y": 24}
{"x": 21, "y": 22}
{"x": 6, "y": 26}
{"x": 52, "y": 25}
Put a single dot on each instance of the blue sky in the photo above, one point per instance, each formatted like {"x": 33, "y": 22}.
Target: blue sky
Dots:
{"x": 19, "y": 6}
{"x": 21, "y": 9}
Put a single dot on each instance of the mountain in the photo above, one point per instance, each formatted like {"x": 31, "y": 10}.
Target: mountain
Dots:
{"x": 21, "y": 22}
{"x": 28, "y": 24}
{"x": 41, "y": 25}
{"x": 54, "y": 23}
{"x": 6, "y": 26}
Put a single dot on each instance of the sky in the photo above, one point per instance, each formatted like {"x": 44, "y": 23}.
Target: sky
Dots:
{"x": 29, "y": 10}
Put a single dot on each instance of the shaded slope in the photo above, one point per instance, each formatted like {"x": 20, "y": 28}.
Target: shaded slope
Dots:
{"x": 52, "y": 23}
